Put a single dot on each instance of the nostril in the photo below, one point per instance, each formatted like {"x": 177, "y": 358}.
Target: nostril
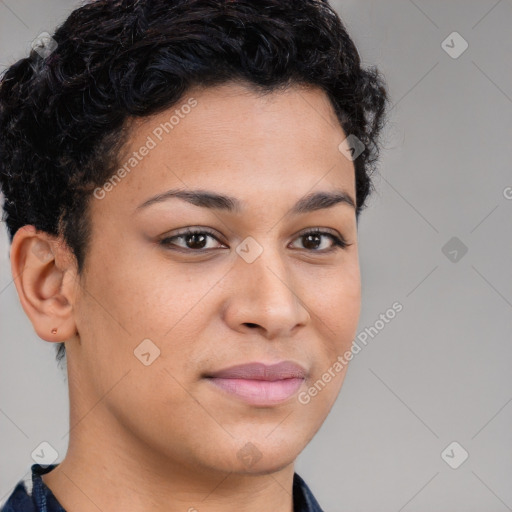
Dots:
{"x": 249, "y": 324}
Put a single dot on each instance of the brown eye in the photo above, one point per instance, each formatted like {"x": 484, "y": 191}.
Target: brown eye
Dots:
{"x": 312, "y": 241}
{"x": 196, "y": 240}
{"x": 193, "y": 240}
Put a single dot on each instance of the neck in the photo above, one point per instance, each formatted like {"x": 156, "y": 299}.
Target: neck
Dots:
{"x": 106, "y": 468}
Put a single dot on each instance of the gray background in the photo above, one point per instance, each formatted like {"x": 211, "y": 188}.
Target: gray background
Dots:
{"x": 440, "y": 370}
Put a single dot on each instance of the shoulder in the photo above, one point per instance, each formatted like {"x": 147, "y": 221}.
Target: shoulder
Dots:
{"x": 19, "y": 500}
{"x": 32, "y": 495}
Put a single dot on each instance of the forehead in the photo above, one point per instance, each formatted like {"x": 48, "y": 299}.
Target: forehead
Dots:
{"x": 233, "y": 139}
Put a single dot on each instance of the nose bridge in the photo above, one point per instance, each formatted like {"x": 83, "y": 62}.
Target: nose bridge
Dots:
{"x": 264, "y": 263}
{"x": 265, "y": 293}
{"x": 274, "y": 280}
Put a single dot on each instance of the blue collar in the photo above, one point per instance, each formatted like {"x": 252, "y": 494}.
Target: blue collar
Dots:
{"x": 42, "y": 499}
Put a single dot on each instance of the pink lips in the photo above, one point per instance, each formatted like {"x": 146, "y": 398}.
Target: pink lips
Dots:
{"x": 260, "y": 384}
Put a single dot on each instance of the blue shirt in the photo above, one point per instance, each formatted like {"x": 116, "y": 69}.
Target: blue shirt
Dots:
{"x": 43, "y": 500}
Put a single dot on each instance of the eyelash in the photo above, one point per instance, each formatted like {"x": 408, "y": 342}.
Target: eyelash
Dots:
{"x": 338, "y": 243}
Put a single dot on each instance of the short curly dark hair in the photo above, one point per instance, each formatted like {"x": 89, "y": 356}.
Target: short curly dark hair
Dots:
{"x": 63, "y": 116}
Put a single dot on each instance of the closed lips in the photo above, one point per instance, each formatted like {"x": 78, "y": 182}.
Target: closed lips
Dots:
{"x": 261, "y": 371}
{"x": 258, "y": 384}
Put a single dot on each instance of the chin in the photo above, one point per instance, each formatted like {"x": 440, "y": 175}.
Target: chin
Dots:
{"x": 263, "y": 456}
{"x": 266, "y": 468}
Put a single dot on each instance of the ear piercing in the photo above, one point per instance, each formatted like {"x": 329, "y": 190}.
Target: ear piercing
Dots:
{"x": 54, "y": 331}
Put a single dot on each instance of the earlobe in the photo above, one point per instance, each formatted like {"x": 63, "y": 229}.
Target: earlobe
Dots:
{"x": 42, "y": 275}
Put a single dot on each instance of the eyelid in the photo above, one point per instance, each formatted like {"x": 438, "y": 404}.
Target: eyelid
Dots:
{"x": 315, "y": 229}
{"x": 199, "y": 229}
{"x": 191, "y": 231}
{"x": 337, "y": 239}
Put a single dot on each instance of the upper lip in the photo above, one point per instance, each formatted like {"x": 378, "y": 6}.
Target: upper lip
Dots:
{"x": 262, "y": 371}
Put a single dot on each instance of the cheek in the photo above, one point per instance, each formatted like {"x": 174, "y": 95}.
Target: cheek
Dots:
{"x": 338, "y": 306}
{"x": 346, "y": 317}
{"x": 126, "y": 296}
{"x": 337, "y": 320}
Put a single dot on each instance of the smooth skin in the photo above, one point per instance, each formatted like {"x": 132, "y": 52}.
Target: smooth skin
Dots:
{"x": 161, "y": 437}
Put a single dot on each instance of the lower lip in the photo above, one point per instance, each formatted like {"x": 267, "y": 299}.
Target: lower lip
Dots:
{"x": 259, "y": 392}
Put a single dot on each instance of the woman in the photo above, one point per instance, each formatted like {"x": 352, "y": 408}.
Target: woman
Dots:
{"x": 182, "y": 186}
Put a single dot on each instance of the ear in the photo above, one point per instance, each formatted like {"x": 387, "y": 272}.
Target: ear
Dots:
{"x": 44, "y": 273}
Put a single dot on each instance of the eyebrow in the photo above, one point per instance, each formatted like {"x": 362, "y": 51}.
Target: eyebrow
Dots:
{"x": 208, "y": 199}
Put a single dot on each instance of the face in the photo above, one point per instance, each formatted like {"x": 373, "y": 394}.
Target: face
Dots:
{"x": 161, "y": 312}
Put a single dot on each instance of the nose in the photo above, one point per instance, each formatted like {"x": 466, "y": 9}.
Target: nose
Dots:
{"x": 265, "y": 295}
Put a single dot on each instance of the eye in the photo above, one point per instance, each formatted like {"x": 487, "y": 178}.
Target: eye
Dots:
{"x": 312, "y": 240}
{"x": 196, "y": 240}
